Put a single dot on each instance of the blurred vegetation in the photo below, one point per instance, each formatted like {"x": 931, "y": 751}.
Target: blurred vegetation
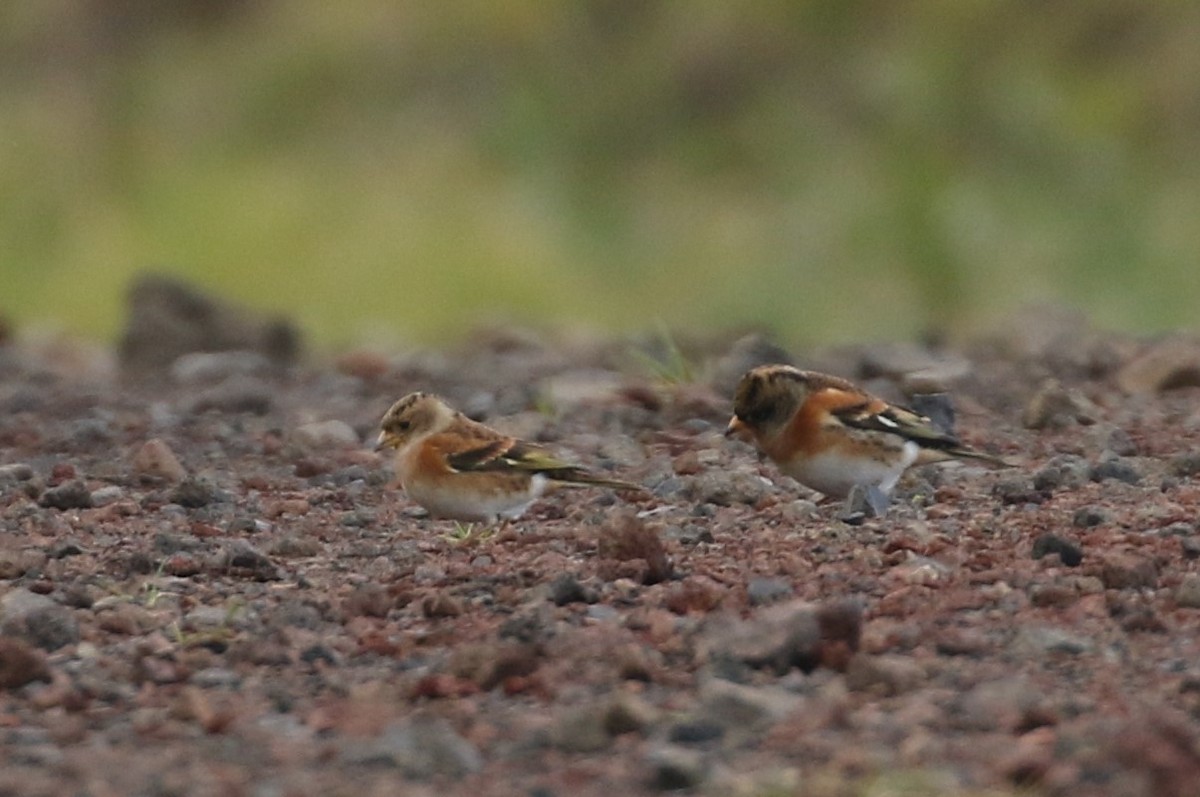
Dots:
{"x": 832, "y": 170}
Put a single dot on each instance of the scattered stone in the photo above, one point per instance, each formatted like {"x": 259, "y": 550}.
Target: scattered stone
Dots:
{"x": 1186, "y": 465}
{"x": 107, "y": 495}
{"x": 689, "y": 731}
{"x": 65, "y": 548}
{"x": 1054, "y": 406}
{"x": 217, "y": 366}
{"x": 169, "y": 318}
{"x": 1038, "y": 640}
{"x": 327, "y": 434}
{"x": 15, "y": 472}
{"x": 884, "y": 674}
{"x": 422, "y": 747}
{"x": 674, "y": 768}
{"x": 581, "y": 729}
{"x": 241, "y": 394}
{"x": 1128, "y": 571}
{"x": 1017, "y": 490}
{"x": 1063, "y": 471}
{"x": 761, "y": 591}
{"x": 441, "y": 604}
{"x": 1120, "y": 443}
{"x": 239, "y": 557}
{"x": 1187, "y": 592}
{"x": 1115, "y": 467}
{"x": 566, "y": 588}
{"x": 726, "y": 488}
{"x": 38, "y": 620}
{"x": 194, "y": 492}
{"x": 1190, "y": 547}
{"x": 626, "y": 537}
{"x": 1087, "y": 517}
{"x": 743, "y": 710}
{"x": 368, "y": 600}
{"x": 154, "y": 459}
{"x": 69, "y": 495}
{"x": 20, "y": 664}
{"x": 1173, "y": 362}
{"x": 294, "y": 546}
{"x": 776, "y": 638}
{"x": 1068, "y": 552}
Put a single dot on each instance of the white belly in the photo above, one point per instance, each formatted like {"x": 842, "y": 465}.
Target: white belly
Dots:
{"x": 835, "y": 475}
{"x": 457, "y": 504}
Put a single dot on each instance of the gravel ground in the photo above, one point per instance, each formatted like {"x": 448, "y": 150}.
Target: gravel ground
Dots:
{"x": 209, "y": 585}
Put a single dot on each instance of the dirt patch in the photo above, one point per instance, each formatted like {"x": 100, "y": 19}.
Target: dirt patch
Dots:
{"x": 208, "y": 586}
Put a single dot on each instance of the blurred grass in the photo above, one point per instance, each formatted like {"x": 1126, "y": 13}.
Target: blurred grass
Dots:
{"x": 407, "y": 169}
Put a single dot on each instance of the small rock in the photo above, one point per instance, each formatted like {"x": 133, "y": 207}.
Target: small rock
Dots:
{"x": 566, "y": 588}
{"x": 1190, "y": 547}
{"x": 20, "y": 664}
{"x": 628, "y": 713}
{"x": 294, "y": 546}
{"x": 1128, "y": 571}
{"x": 327, "y": 434}
{"x": 368, "y": 600}
{"x": 1170, "y": 363}
{"x": 242, "y": 394}
{"x": 1087, "y": 517}
{"x": 422, "y": 747}
{"x": 674, "y": 768}
{"x": 1120, "y": 443}
{"x": 154, "y": 459}
{"x": 626, "y": 537}
{"x": 64, "y": 548}
{"x": 38, "y": 619}
{"x": 15, "y": 472}
{"x": 1063, "y": 471}
{"x": 1187, "y": 593}
{"x": 761, "y": 591}
{"x": 581, "y": 729}
{"x": 1039, "y": 640}
{"x": 777, "y": 638}
{"x": 726, "y": 488}
{"x": 194, "y": 492}
{"x": 216, "y": 366}
{"x": 695, "y": 731}
{"x": 1184, "y": 465}
{"x": 884, "y": 675}
{"x": 1017, "y": 490}
{"x": 743, "y": 709}
{"x": 69, "y": 495}
{"x": 240, "y": 556}
{"x": 1054, "y": 406}
{"x": 1068, "y": 552}
{"x": 107, "y": 495}
{"x": 1115, "y": 467}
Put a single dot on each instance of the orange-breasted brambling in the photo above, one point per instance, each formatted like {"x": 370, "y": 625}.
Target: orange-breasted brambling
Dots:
{"x": 831, "y": 435}
{"x": 460, "y": 469}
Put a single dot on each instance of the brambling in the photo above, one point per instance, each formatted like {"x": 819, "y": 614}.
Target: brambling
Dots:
{"x": 460, "y": 469}
{"x": 833, "y": 436}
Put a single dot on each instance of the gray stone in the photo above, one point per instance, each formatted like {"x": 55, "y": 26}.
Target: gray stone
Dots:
{"x": 761, "y": 591}
{"x": 69, "y": 495}
{"x": 38, "y": 619}
{"x": 332, "y": 433}
{"x": 674, "y": 768}
{"x": 422, "y": 747}
{"x": 1187, "y": 592}
{"x": 216, "y": 366}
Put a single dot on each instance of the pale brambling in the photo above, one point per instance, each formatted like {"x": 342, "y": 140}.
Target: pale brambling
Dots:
{"x": 832, "y": 436}
{"x": 460, "y": 469}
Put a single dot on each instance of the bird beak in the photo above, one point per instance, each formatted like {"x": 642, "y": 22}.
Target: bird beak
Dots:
{"x": 385, "y": 442}
{"x": 737, "y": 429}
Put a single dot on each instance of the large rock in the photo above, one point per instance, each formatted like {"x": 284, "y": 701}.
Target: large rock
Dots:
{"x": 169, "y": 318}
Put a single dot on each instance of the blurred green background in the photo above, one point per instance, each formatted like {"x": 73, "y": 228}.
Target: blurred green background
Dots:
{"x": 406, "y": 170}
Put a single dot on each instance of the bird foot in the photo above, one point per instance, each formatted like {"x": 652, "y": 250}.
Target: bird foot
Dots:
{"x": 864, "y": 501}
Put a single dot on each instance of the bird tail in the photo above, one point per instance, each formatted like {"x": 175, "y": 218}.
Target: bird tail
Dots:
{"x": 969, "y": 453}
{"x": 581, "y": 477}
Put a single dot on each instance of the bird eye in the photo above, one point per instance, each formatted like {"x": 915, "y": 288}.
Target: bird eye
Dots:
{"x": 403, "y": 425}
